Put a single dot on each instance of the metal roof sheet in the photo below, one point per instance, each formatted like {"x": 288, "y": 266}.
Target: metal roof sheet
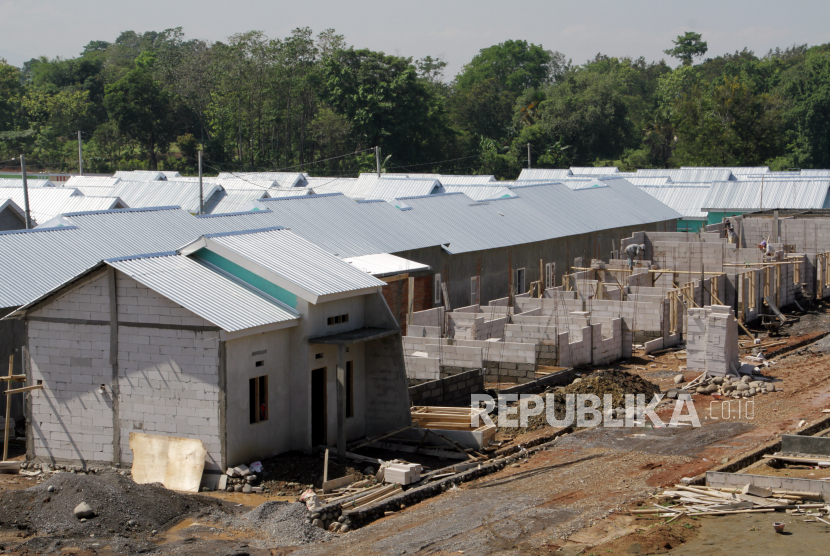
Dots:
{"x": 298, "y": 261}
{"x": 640, "y": 181}
{"x": 212, "y": 295}
{"x": 289, "y": 191}
{"x": 769, "y": 194}
{"x": 388, "y": 189}
{"x": 140, "y": 194}
{"x": 593, "y": 170}
{"x": 93, "y": 181}
{"x": 466, "y": 180}
{"x": 543, "y": 174}
{"x": 8, "y": 182}
{"x": 768, "y": 176}
{"x": 44, "y": 202}
{"x": 689, "y": 175}
{"x": 384, "y": 264}
{"x": 247, "y": 183}
{"x": 736, "y": 170}
{"x": 814, "y": 172}
{"x": 685, "y": 199}
{"x": 283, "y": 179}
{"x": 140, "y": 175}
{"x": 9, "y": 204}
{"x": 481, "y": 192}
{"x": 233, "y": 200}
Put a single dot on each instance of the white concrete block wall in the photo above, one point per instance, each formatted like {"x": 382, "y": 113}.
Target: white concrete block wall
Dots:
{"x": 169, "y": 382}
{"x": 423, "y": 368}
{"x": 456, "y": 356}
{"x": 71, "y": 419}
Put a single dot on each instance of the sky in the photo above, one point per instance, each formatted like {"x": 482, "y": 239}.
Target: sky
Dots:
{"x": 452, "y": 29}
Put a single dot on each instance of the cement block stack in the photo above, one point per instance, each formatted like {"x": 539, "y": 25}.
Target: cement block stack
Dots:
{"x": 712, "y": 340}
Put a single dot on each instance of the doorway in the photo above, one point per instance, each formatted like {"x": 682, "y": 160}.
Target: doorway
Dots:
{"x": 318, "y": 407}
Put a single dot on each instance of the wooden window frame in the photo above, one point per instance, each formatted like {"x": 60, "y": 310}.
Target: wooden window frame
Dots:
{"x": 258, "y": 393}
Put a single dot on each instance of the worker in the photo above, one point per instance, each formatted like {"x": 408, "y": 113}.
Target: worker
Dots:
{"x": 730, "y": 233}
{"x": 632, "y": 252}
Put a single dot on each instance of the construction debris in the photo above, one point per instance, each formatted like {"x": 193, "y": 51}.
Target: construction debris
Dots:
{"x": 703, "y": 500}
{"x": 730, "y": 386}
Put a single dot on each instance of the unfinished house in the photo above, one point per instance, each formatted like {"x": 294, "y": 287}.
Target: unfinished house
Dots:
{"x": 255, "y": 343}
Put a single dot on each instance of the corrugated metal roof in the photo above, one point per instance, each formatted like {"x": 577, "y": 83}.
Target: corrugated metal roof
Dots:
{"x": 685, "y": 199}
{"x": 298, "y": 261}
{"x": 415, "y": 176}
{"x": 771, "y": 194}
{"x": 140, "y": 194}
{"x": 481, "y": 192}
{"x": 388, "y": 189}
{"x": 140, "y": 175}
{"x": 776, "y": 176}
{"x": 289, "y": 191}
{"x": 691, "y": 175}
{"x": 44, "y": 202}
{"x": 594, "y": 170}
{"x": 815, "y": 172}
{"x": 283, "y": 179}
{"x": 465, "y": 180}
{"x": 233, "y": 200}
{"x": 170, "y": 174}
{"x": 93, "y": 181}
{"x": 35, "y": 261}
{"x": 369, "y": 186}
{"x": 543, "y": 174}
{"x": 736, "y": 170}
{"x": 640, "y": 181}
{"x": 83, "y": 203}
{"x": 8, "y": 182}
{"x": 213, "y": 296}
{"x": 384, "y": 264}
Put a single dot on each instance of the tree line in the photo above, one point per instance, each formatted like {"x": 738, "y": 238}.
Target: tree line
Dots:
{"x": 312, "y": 103}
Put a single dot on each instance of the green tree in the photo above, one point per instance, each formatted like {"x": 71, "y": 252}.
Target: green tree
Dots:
{"x": 385, "y": 102}
{"x": 141, "y": 108}
{"x": 688, "y": 46}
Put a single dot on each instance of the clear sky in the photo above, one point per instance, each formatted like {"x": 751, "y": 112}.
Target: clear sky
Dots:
{"x": 453, "y": 29}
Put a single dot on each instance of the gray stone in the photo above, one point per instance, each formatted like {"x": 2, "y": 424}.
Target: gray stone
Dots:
{"x": 247, "y": 489}
{"x": 742, "y": 387}
{"x": 83, "y": 510}
{"x": 671, "y": 394}
{"x": 746, "y": 378}
{"x": 576, "y": 381}
{"x": 717, "y": 380}
{"x": 344, "y": 528}
{"x": 51, "y": 488}
{"x": 132, "y": 523}
{"x": 317, "y": 523}
{"x": 679, "y": 379}
{"x": 237, "y": 488}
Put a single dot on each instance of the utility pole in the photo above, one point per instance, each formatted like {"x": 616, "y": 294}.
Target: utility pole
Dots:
{"x": 26, "y": 193}
{"x": 80, "y": 156}
{"x": 201, "y": 191}
{"x": 528, "y": 156}
{"x": 377, "y": 159}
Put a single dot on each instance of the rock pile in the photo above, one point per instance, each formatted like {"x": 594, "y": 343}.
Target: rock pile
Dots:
{"x": 734, "y": 387}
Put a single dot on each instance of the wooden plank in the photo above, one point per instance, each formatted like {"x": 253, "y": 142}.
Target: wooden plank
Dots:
{"x": 775, "y": 309}
{"x": 423, "y": 451}
{"x": 375, "y": 439}
{"x": 326, "y": 469}
{"x": 11, "y": 467}
{"x": 13, "y": 378}
{"x": 24, "y": 389}
{"x": 8, "y": 412}
{"x": 328, "y": 486}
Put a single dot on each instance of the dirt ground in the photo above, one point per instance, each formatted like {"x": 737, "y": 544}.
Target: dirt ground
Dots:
{"x": 570, "y": 498}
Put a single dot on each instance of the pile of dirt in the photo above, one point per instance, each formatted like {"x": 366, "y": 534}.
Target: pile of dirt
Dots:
{"x": 615, "y": 382}
{"x": 610, "y": 381}
{"x": 121, "y": 506}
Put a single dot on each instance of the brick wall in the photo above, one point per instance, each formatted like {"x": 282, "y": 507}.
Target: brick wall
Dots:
{"x": 396, "y": 295}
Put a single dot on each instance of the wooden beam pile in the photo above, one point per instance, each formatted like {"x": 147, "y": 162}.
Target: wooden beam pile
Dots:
{"x": 703, "y": 500}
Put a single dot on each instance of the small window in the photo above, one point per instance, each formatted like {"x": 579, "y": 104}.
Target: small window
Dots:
{"x": 338, "y": 319}
{"x": 259, "y": 363}
{"x": 258, "y": 398}
{"x": 520, "y": 281}
{"x": 344, "y": 318}
{"x": 318, "y": 356}
{"x": 436, "y": 295}
{"x": 330, "y": 321}
{"x": 349, "y": 389}
{"x": 475, "y": 293}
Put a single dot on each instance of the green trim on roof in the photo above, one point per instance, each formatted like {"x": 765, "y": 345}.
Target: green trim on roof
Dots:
{"x": 248, "y": 277}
